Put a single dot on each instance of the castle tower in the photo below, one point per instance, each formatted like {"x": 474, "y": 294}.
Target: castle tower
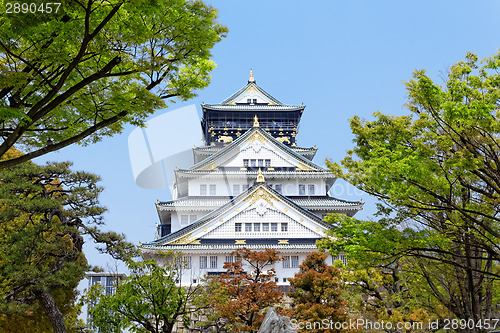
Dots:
{"x": 250, "y": 186}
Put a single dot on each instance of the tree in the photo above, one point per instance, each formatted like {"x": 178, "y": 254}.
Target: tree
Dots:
{"x": 89, "y": 67}
{"x": 149, "y": 300}
{"x": 438, "y": 182}
{"x": 316, "y": 291}
{"x": 44, "y": 213}
{"x": 247, "y": 288}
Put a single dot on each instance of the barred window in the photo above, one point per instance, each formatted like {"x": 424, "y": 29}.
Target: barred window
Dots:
{"x": 265, "y": 227}
{"x": 229, "y": 259}
{"x": 236, "y": 189}
{"x": 268, "y": 163}
{"x": 187, "y": 262}
{"x": 274, "y": 227}
{"x": 284, "y": 227}
{"x": 203, "y": 189}
{"x": 192, "y": 218}
{"x": 245, "y": 163}
{"x": 302, "y": 190}
{"x": 261, "y": 163}
{"x": 277, "y": 187}
{"x": 237, "y": 227}
{"x": 256, "y": 227}
{"x": 311, "y": 190}
{"x": 203, "y": 262}
{"x": 184, "y": 220}
{"x": 295, "y": 262}
{"x": 248, "y": 227}
{"x": 213, "y": 261}
{"x": 286, "y": 262}
{"x": 213, "y": 189}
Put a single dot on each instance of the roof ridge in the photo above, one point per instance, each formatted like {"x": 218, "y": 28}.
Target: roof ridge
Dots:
{"x": 245, "y": 87}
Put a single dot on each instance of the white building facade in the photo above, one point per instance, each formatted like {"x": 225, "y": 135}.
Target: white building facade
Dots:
{"x": 250, "y": 186}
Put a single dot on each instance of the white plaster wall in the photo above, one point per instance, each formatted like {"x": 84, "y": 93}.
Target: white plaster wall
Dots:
{"x": 281, "y": 273}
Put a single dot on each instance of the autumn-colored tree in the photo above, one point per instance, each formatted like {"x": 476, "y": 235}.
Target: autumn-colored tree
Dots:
{"x": 247, "y": 288}
{"x": 316, "y": 291}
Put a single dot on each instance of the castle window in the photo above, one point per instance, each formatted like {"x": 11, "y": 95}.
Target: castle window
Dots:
{"x": 295, "y": 262}
{"x": 255, "y": 100}
{"x": 184, "y": 220}
{"x": 192, "y": 218}
{"x": 274, "y": 227}
{"x": 284, "y": 280}
{"x": 203, "y": 189}
{"x": 284, "y": 227}
{"x": 237, "y": 227}
{"x": 265, "y": 227}
{"x": 253, "y": 163}
{"x": 277, "y": 187}
{"x": 286, "y": 262}
{"x": 256, "y": 227}
{"x": 248, "y": 227}
{"x": 261, "y": 163}
{"x": 244, "y": 187}
{"x": 213, "y": 189}
{"x": 302, "y": 190}
{"x": 236, "y": 189}
{"x": 229, "y": 259}
{"x": 249, "y": 100}
{"x": 187, "y": 262}
{"x": 311, "y": 190}
{"x": 268, "y": 163}
{"x": 203, "y": 262}
{"x": 213, "y": 261}
{"x": 245, "y": 163}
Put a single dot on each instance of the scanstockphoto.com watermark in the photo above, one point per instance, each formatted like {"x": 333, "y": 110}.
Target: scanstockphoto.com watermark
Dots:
{"x": 364, "y": 324}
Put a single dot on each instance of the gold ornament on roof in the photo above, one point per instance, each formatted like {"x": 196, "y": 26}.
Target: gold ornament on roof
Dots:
{"x": 255, "y": 121}
{"x": 260, "y": 177}
{"x": 251, "y": 79}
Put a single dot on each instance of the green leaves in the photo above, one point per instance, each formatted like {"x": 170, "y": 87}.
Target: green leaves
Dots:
{"x": 149, "y": 300}
{"x": 95, "y": 66}
{"x": 44, "y": 213}
{"x": 438, "y": 172}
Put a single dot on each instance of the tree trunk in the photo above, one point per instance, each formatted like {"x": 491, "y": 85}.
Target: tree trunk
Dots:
{"x": 52, "y": 311}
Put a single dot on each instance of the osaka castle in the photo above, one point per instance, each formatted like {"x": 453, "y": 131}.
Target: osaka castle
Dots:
{"x": 250, "y": 186}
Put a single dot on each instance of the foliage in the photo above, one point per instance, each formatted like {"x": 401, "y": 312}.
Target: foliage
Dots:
{"x": 84, "y": 72}
{"x": 437, "y": 177}
{"x": 316, "y": 291}
{"x": 247, "y": 288}
{"x": 149, "y": 300}
{"x": 44, "y": 213}
{"x": 209, "y": 318}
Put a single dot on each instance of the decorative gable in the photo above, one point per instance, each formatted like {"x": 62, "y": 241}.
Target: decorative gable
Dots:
{"x": 259, "y": 214}
{"x": 251, "y": 95}
{"x": 256, "y": 144}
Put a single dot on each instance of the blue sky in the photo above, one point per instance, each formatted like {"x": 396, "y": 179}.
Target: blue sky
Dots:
{"x": 340, "y": 58}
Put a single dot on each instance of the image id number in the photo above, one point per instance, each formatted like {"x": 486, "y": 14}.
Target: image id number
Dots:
{"x": 31, "y": 7}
